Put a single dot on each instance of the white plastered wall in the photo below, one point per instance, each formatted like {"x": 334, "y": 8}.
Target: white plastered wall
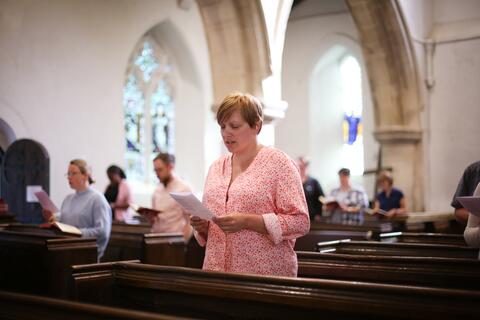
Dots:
{"x": 63, "y": 67}
{"x": 451, "y": 98}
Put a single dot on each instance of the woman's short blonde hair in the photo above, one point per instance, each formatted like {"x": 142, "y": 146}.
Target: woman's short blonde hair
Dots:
{"x": 84, "y": 168}
{"x": 249, "y": 106}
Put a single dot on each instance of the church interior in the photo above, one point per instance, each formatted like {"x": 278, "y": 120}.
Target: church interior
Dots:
{"x": 367, "y": 90}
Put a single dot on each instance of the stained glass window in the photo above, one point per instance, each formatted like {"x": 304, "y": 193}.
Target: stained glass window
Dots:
{"x": 352, "y": 102}
{"x": 149, "y": 109}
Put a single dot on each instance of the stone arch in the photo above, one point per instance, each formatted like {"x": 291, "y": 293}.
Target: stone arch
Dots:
{"x": 393, "y": 79}
{"x": 238, "y": 45}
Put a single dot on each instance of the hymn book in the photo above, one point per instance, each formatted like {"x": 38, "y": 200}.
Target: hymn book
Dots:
{"x": 376, "y": 211}
{"x": 144, "y": 211}
{"x": 330, "y": 202}
{"x": 63, "y": 227}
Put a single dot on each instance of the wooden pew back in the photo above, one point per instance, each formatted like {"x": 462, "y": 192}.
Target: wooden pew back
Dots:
{"x": 397, "y": 249}
{"x": 423, "y": 271}
{"x": 216, "y": 295}
{"x": 28, "y": 307}
{"x": 431, "y": 238}
{"x": 36, "y": 263}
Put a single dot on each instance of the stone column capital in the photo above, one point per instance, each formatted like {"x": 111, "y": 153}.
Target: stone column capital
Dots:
{"x": 397, "y": 134}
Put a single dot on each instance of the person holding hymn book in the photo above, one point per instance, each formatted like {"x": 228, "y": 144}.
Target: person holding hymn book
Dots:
{"x": 466, "y": 187}
{"x": 347, "y": 203}
{"x": 86, "y": 209}
{"x": 118, "y": 194}
{"x": 390, "y": 202}
{"x": 256, "y": 195}
{"x": 170, "y": 216}
{"x": 472, "y": 205}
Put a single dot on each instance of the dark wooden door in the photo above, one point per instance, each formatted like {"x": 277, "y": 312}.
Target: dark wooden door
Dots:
{"x": 25, "y": 163}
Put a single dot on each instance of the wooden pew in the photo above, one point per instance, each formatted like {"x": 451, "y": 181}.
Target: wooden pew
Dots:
{"x": 426, "y": 238}
{"x": 40, "y": 263}
{"x": 323, "y": 231}
{"x": 423, "y": 271}
{"x": 309, "y": 241}
{"x": 135, "y": 242}
{"x": 152, "y": 248}
{"x": 7, "y": 218}
{"x": 215, "y": 295}
{"x": 28, "y": 307}
{"x": 375, "y": 227}
{"x": 397, "y": 249}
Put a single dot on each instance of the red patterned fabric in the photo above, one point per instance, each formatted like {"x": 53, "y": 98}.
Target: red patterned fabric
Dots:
{"x": 271, "y": 187}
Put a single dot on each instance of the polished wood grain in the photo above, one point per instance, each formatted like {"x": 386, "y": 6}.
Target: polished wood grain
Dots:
{"x": 214, "y": 295}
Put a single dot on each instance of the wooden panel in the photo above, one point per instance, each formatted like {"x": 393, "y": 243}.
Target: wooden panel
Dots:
{"x": 372, "y": 226}
{"x": 397, "y": 249}
{"x": 128, "y": 241}
{"x": 16, "y": 306}
{"x": 36, "y": 263}
{"x": 434, "y": 272}
{"x": 309, "y": 241}
{"x": 215, "y": 295}
{"x": 425, "y": 238}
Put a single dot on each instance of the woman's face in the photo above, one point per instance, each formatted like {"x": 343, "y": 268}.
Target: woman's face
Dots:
{"x": 237, "y": 133}
{"x": 76, "y": 179}
{"x": 114, "y": 178}
{"x": 384, "y": 185}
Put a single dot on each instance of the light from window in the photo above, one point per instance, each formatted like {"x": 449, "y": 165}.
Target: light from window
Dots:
{"x": 352, "y": 104}
{"x": 149, "y": 110}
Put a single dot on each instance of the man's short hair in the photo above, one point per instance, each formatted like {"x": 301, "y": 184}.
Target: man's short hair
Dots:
{"x": 344, "y": 172}
{"x": 166, "y": 158}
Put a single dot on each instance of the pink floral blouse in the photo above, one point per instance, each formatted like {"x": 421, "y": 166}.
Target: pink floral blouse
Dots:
{"x": 271, "y": 187}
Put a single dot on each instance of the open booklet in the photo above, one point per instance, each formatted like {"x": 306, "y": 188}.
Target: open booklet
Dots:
{"x": 376, "y": 211}
{"x": 63, "y": 227}
{"x": 192, "y": 205}
{"x": 472, "y": 204}
{"x": 330, "y": 202}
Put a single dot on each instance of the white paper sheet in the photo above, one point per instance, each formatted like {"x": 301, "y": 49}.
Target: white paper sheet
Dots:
{"x": 192, "y": 205}
{"x": 472, "y": 204}
{"x": 31, "y": 197}
{"x": 45, "y": 201}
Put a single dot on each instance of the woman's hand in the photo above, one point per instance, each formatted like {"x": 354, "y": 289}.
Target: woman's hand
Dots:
{"x": 232, "y": 223}
{"x": 200, "y": 225}
{"x": 48, "y": 215}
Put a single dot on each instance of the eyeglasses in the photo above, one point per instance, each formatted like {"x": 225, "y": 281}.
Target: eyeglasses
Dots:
{"x": 71, "y": 174}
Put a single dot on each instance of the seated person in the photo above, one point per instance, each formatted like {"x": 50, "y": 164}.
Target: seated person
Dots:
{"x": 352, "y": 201}
{"x": 118, "y": 194}
{"x": 390, "y": 200}
{"x": 87, "y": 209}
{"x": 172, "y": 217}
{"x": 313, "y": 190}
{"x": 466, "y": 187}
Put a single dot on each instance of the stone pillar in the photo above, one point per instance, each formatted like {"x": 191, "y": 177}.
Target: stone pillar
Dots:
{"x": 401, "y": 150}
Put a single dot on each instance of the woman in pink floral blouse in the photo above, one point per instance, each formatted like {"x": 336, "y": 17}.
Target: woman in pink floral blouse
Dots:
{"x": 256, "y": 195}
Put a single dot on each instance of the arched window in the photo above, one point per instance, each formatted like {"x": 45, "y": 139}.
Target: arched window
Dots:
{"x": 352, "y": 104}
{"x": 149, "y": 109}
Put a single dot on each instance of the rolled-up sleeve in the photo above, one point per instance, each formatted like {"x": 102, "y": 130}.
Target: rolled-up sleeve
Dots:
{"x": 290, "y": 218}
